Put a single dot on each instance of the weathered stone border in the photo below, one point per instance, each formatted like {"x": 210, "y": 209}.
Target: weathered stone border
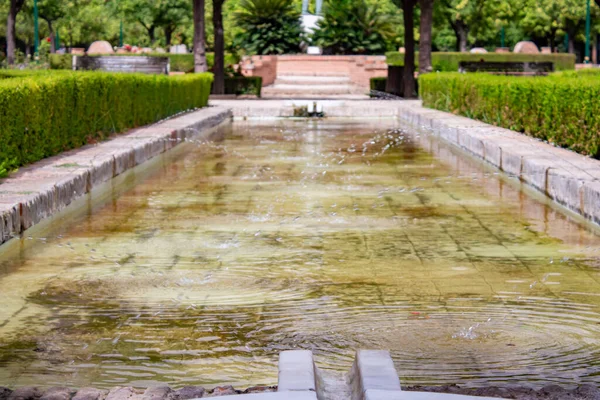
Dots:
{"x": 568, "y": 178}
{"x": 372, "y": 377}
{"x": 42, "y": 189}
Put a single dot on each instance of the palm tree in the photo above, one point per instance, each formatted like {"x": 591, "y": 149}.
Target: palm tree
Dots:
{"x": 199, "y": 37}
{"x": 425, "y": 36}
{"x": 219, "y": 66}
{"x": 408, "y": 76}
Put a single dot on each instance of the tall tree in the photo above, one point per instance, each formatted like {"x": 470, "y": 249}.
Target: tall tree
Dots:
{"x": 219, "y": 48}
{"x": 553, "y": 18}
{"x": 51, "y": 11}
{"x": 155, "y": 15}
{"x": 11, "y": 35}
{"x": 199, "y": 37}
{"x": 471, "y": 18}
{"x": 425, "y": 36}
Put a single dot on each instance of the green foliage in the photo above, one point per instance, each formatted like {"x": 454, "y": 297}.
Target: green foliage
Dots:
{"x": 582, "y": 73}
{"x": 353, "y": 27}
{"x": 46, "y": 113}
{"x": 476, "y": 20}
{"x": 240, "y": 85}
{"x": 167, "y": 15}
{"x": 562, "y": 108}
{"x": 378, "y": 84}
{"x": 448, "y": 62}
{"x": 269, "y": 27}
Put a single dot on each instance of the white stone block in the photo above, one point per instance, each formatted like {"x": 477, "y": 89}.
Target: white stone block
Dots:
{"x": 566, "y": 188}
{"x": 296, "y": 371}
{"x": 591, "y": 201}
{"x": 373, "y": 370}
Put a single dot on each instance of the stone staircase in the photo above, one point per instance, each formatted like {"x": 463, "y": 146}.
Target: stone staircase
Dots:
{"x": 314, "y": 87}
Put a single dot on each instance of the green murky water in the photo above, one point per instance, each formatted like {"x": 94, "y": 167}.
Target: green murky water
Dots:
{"x": 330, "y": 236}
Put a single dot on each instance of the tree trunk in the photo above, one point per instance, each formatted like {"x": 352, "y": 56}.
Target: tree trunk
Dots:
{"x": 152, "y": 35}
{"x": 11, "y": 35}
{"x": 199, "y": 35}
{"x": 571, "y": 28}
{"x": 52, "y": 38}
{"x": 571, "y": 44}
{"x": 168, "y": 35}
{"x": 219, "y": 67}
{"x": 462, "y": 36}
{"x": 409, "y": 46}
{"x": 425, "y": 36}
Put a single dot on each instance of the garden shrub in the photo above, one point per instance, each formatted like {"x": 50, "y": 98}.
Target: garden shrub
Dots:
{"x": 353, "y": 27}
{"x": 47, "y": 113}
{"x": 378, "y": 84}
{"x": 239, "y": 85}
{"x": 562, "y": 110}
{"x": 448, "y": 62}
{"x": 269, "y": 27}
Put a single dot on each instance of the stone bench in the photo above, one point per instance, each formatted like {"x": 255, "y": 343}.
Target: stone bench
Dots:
{"x": 507, "y": 68}
{"x": 140, "y": 64}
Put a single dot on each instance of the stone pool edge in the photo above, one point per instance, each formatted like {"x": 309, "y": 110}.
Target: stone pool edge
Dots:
{"x": 42, "y": 189}
{"x": 568, "y": 178}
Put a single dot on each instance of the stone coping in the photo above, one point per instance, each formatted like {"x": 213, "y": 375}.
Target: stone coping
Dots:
{"x": 566, "y": 177}
{"x": 42, "y": 189}
{"x": 343, "y": 107}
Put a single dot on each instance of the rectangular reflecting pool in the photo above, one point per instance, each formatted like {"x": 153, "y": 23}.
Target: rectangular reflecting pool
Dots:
{"x": 199, "y": 267}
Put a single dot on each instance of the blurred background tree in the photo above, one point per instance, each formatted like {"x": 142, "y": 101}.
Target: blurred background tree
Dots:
{"x": 349, "y": 26}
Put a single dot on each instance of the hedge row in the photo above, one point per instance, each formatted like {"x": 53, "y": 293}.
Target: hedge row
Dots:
{"x": 562, "y": 109}
{"x": 179, "y": 62}
{"x": 240, "y": 85}
{"x": 448, "y": 62}
{"x": 47, "y": 113}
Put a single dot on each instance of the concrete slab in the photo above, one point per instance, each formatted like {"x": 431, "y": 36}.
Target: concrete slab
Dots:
{"x": 394, "y": 395}
{"x": 296, "y": 371}
{"x": 273, "y": 396}
{"x": 373, "y": 370}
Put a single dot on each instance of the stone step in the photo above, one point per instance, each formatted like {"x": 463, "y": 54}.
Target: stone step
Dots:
{"x": 331, "y": 89}
{"x": 314, "y": 96}
{"x": 309, "y": 91}
{"x": 312, "y": 80}
{"x": 317, "y": 73}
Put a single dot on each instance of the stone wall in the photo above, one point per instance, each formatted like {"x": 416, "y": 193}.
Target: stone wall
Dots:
{"x": 263, "y": 66}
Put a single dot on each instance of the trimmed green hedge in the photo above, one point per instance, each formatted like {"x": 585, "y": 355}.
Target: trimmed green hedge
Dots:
{"x": 179, "y": 62}
{"x": 562, "y": 109}
{"x": 448, "y": 62}
{"x": 378, "y": 84}
{"x": 47, "y": 113}
{"x": 243, "y": 85}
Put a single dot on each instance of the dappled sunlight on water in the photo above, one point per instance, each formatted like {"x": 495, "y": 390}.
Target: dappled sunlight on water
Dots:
{"x": 329, "y": 236}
